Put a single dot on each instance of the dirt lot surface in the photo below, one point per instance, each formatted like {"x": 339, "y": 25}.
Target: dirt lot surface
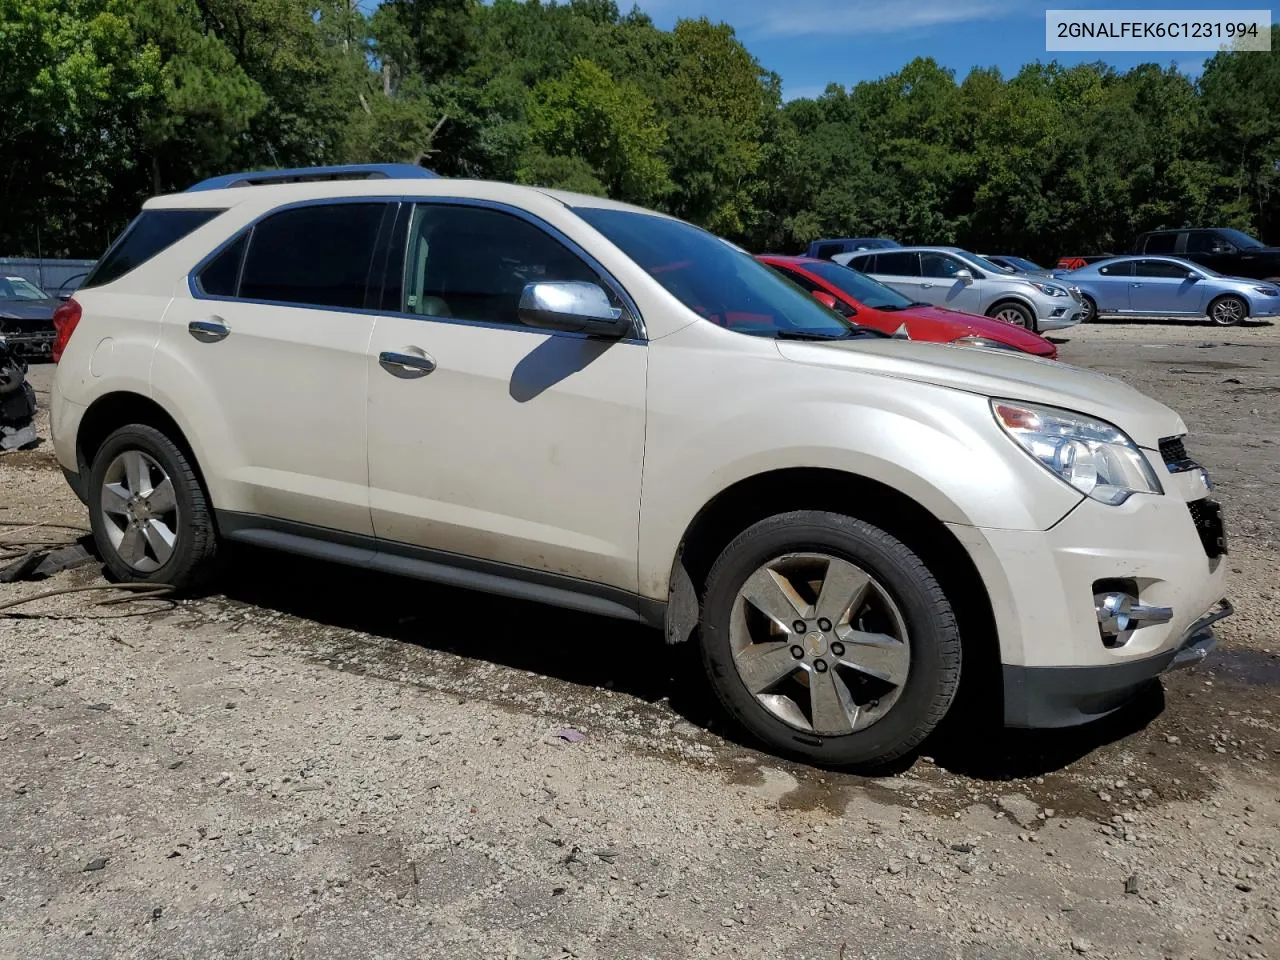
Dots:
{"x": 316, "y": 763}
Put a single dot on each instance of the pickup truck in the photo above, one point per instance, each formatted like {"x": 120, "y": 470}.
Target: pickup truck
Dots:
{"x": 1230, "y": 252}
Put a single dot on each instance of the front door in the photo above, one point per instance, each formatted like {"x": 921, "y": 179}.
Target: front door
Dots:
{"x": 938, "y": 278}
{"x": 493, "y": 440}
{"x": 1163, "y": 288}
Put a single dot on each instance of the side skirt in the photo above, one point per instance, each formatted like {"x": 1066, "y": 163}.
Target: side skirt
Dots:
{"x": 437, "y": 566}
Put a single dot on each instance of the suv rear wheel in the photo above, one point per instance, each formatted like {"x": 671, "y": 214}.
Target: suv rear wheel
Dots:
{"x": 150, "y": 517}
{"x": 829, "y": 640}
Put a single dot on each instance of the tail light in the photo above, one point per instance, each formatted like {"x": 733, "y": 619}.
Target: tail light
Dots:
{"x": 65, "y": 319}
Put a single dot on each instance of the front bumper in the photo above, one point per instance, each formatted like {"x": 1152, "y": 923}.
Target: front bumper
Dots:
{"x": 1069, "y": 317}
{"x": 1042, "y": 697}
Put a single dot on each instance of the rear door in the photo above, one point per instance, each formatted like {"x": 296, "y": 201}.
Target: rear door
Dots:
{"x": 901, "y": 271}
{"x": 1210, "y": 248}
{"x": 265, "y": 352}
{"x": 1163, "y": 288}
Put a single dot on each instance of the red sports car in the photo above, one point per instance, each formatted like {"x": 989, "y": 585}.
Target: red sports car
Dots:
{"x": 870, "y": 303}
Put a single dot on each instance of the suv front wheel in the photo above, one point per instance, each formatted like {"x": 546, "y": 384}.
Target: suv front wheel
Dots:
{"x": 829, "y": 640}
{"x": 150, "y": 517}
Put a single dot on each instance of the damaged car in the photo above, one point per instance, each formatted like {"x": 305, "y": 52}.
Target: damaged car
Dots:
{"x": 26, "y": 317}
{"x": 566, "y": 399}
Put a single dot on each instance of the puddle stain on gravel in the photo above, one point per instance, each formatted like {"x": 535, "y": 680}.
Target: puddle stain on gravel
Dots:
{"x": 1251, "y": 667}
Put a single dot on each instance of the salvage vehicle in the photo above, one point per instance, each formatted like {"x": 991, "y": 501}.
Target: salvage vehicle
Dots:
{"x": 17, "y": 402}
{"x": 1230, "y": 252}
{"x": 26, "y": 317}
{"x": 1075, "y": 263}
{"x": 1170, "y": 287}
{"x": 568, "y": 399}
{"x": 955, "y": 278}
{"x": 868, "y": 302}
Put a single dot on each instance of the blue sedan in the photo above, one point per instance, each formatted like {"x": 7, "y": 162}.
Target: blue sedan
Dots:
{"x": 1169, "y": 287}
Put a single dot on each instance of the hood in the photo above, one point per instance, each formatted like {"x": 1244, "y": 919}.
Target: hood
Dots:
{"x": 968, "y": 324}
{"x": 1009, "y": 376}
{"x": 28, "y": 309}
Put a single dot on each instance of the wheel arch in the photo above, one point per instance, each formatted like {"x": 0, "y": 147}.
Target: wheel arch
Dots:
{"x": 1017, "y": 298}
{"x": 808, "y": 488}
{"x": 112, "y": 411}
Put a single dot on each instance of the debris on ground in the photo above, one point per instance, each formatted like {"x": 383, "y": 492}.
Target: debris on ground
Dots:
{"x": 41, "y": 563}
{"x": 570, "y": 735}
{"x": 17, "y": 403}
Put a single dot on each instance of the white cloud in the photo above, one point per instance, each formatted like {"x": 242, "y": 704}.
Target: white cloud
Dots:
{"x": 1193, "y": 67}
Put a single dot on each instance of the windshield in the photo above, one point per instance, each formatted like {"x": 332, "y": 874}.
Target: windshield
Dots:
{"x": 1022, "y": 264}
{"x": 20, "y": 288}
{"x": 712, "y": 279}
{"x": 1241, "y": 239}
{"x": 868, "y": 292}
{"x": 982, "y": 262}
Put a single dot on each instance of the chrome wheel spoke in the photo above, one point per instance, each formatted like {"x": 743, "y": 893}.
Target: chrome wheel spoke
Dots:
{"x": 162, "y": 499}
{"x": 774, "y": 596}
{"x": 137, "y": 473}
{"x": 115, "y": 499}
{"x": 133, "y": 546}
{"x": 842, "y": 591}
{"x": 833, "y": 709}
{"x": 875, "y": 654}
{"x": 160, "y": 539}
{"x": 762, "y": 665}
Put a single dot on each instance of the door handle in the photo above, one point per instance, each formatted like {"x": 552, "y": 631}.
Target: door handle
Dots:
{"x": 926, "y": 285}
{"x": 209, "y": 331}
{"x": 407, "y": 366}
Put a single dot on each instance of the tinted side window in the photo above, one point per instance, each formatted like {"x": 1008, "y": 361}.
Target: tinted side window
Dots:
{"x": 221, "y": 275}
{"x": 1160, "y": 268}
{"x": 313, "y": 256}
{"x": 939, "y": 265}
{"x": 1160, "y": 243}
{"x": 473, "y": 263}
{"x": 152, "y": 232}
{"x": 1117, "y": 269}
{"x": 864, "y": 263}
{"x": 898, "y": 264}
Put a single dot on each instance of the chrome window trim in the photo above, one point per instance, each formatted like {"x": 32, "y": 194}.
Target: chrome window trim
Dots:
{"x": 638, "y": 332}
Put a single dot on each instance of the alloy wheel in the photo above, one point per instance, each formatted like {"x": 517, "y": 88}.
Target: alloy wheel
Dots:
{"x": 139, "y": 511}
{"x": 1228, "y": 311}
{"x": 819, "y": 643}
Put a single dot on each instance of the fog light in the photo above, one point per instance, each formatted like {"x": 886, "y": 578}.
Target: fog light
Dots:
{"x": 1119, "y": 614}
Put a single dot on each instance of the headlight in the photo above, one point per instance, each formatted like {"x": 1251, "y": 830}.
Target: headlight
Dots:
{"x": 1049, "y": 289}
{"x": 1268, "y": 291}
{"x": 1091, "y": 455}
{"x": 983, "y": 342}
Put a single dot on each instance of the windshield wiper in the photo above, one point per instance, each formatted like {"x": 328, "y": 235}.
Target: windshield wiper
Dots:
{"x": 808, "y": 335}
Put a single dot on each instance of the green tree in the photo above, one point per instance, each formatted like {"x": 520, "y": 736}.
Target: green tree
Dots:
{"x": 609, "y": 126}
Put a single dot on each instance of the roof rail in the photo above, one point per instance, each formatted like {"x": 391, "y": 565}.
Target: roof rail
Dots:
{"x": 363, "y": 171}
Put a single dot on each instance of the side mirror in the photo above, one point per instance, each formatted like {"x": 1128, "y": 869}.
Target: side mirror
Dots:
{"x": 571, "y": 305}
{"x": 826, "y": 299}
{"x": 964, "y": 276}
{"x": 1192, "y": 275}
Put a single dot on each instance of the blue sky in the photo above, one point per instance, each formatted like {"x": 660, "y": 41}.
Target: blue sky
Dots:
{"x": 810, "y": 43}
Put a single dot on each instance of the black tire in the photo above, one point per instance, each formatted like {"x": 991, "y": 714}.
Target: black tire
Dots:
{"x": 1229, "y": 310}
{"x": 195, "y": 547}
{"x": 932, "y": 634}
{"x": 1088, "y": 309}
{"x": 1024, "y": 317}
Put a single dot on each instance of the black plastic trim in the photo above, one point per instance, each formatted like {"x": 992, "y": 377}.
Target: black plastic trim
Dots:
{"x": 438, "y": 566}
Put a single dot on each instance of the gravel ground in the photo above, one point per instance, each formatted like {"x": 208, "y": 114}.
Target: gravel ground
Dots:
{"x": 316, "y": 763}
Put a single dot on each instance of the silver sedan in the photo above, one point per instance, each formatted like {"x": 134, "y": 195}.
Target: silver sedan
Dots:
{"x": 1169, "y": 287}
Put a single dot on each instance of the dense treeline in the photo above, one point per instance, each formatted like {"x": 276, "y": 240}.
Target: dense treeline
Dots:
{"x": 104, "y": 102}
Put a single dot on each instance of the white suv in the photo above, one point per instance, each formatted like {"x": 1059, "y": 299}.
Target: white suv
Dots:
{"x": 567, "y": 399}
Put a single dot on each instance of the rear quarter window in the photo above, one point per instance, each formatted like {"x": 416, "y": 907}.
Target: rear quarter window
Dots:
{"x": 150, "y": 233}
